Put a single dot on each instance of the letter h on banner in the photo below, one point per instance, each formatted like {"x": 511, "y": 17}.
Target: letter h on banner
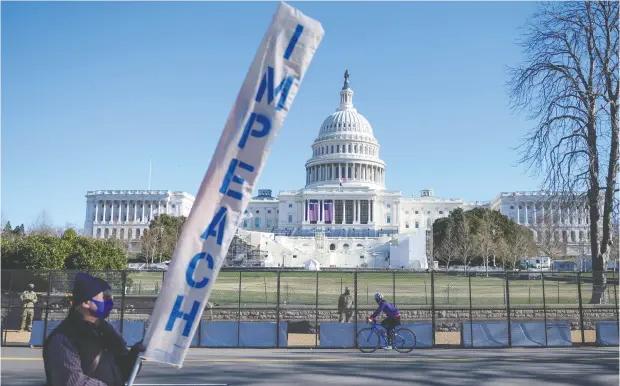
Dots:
{"x": 177, "y": 313}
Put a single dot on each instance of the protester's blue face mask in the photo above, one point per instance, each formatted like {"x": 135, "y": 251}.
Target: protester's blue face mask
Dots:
{"x": 103, "y": 308}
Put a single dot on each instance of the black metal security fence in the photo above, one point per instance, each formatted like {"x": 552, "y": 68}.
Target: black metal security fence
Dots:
{"x": 298, "y": 308}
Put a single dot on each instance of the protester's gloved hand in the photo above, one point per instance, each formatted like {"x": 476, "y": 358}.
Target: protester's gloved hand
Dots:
{"x": 138, "y": 347}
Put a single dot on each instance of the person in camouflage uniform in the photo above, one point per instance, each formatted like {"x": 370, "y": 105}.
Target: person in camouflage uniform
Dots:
{"x": 28, "y": 298}
{"x": 345, "y": 306}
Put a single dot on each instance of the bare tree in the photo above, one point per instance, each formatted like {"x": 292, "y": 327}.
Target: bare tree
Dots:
{"x": 550, "y": 239}
{"x": 43, "y": 225}
{"x": 519, "y": 247}
{"x": 485, "y": 240}
{"x": 446, "y": 251}
{"x": 464, "y": 242}
{"x": 569, "y": 86}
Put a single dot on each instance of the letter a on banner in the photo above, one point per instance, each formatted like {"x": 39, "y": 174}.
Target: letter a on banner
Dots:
{"x": 261, "y": 106}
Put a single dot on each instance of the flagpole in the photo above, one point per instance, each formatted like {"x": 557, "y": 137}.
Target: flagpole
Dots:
{"x": 134, "y": 371}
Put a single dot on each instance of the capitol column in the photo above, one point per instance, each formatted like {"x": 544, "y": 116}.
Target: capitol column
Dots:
{"x": 143, "y": 206}
{"x": 127, "y": 215}
{"x": 135, "y": 210}
{"x": 369, "y": 204}
{"x": 97, "y": 211}
{"x": 526, "y": 219}
{"x": 150, "y": 210}
{"x": 112, "y": 213}
{"x": 344, "y": 212}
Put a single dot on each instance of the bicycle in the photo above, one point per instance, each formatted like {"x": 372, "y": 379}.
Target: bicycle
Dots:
{"x": 371, "y": 338}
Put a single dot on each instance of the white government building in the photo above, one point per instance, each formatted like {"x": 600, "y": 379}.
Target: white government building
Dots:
{"x": 343, "y": 217}
{"x": 126, "y": 214}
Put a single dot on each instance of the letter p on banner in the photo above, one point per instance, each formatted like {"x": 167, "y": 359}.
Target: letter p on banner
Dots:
{"x": 261, "y": 106}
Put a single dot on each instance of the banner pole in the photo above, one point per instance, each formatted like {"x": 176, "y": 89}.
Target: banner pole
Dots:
{"x": 134, "y": 371}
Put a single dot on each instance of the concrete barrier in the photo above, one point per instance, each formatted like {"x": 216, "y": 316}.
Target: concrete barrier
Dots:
{"x": 523, "y": 334}
{"x": 532, "y": 334}
{"x": 36, "y": 336}
{"x": 342, "y": 335}
{"x": 219, "y": 334}
{"x": 336, "y": 335}
{"x": 262, "y": 334}
{"x": 607, "y": 333}
{"x": 243, "y": 334}
{"x": 133, "y": 331}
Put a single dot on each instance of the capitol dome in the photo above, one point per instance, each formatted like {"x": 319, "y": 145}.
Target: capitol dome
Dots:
{"x": 345, "y": 151}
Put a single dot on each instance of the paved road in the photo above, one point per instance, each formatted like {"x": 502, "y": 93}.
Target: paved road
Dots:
{"x": 574, "y": 366}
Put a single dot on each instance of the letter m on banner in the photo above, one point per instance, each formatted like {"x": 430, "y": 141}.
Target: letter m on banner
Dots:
{"x": 266, "y": 86}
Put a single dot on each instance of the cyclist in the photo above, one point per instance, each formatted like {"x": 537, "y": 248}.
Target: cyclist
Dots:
{"x": 392, "y": 317}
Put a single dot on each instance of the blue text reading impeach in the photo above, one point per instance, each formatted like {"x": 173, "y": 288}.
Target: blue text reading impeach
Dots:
{"x": 257, "y": 126}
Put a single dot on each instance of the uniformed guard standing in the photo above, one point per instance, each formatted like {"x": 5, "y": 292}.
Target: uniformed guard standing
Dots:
{"x": 345, "y": 306}
{"x": 28, "y": 298}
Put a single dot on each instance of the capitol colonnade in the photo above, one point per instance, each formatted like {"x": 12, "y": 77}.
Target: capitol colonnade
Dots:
{"x": 127, "y": 214}
{"x": 345, "y": 172}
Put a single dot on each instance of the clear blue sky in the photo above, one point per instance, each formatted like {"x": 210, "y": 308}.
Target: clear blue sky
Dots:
{"x": 91, "y": 91}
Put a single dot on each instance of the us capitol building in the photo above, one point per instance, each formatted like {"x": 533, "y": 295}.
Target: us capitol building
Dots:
{"x": 344, "y": 216}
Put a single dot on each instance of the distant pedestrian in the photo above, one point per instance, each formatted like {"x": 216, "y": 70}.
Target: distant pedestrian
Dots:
{"x": 85, "y": 349}
{"x": 345, "y": 306}
{"x": 28, "y": 298}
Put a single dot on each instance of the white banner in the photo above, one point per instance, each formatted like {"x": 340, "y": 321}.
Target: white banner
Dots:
{"x": 262, "y": 104}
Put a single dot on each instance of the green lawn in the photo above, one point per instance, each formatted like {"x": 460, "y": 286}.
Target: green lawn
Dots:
{"x": 411, "y": 289}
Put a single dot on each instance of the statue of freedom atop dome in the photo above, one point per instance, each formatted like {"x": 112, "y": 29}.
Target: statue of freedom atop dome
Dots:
{"x": 346, "y": 80}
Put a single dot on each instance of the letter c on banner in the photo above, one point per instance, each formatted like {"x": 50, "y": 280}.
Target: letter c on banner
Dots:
{"x": 191, "y": 269}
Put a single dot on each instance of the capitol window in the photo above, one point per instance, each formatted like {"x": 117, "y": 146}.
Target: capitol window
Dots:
{"x": 290, "y": 218}
{"x": 416, "y": 212}
{"x": 256, "y": 212}
{"x": 345, "y": 246}
{"x": 268, "y": 211}
{"x": 360, "y": 246}
{"x": 332, "y": 149}
{"x": 417, "y": 225}
{"x": 257, "y": 222}
{"x": 441, "y": 212}
{"x": 332, "y": 247}
{"x": 389, "y": 219}
{"x": 406, "y": 225}
{"x": 290, "y": 205}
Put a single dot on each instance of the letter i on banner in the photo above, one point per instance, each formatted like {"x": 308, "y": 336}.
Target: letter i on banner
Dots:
{"x": 261, "y": 106}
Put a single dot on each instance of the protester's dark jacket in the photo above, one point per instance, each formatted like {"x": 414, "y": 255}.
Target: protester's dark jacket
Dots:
{"x": 79, "y": 353}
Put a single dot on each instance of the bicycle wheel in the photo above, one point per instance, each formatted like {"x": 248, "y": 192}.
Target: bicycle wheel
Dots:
{"x": 404, "y": 340}
{"x": 367, "y": 340}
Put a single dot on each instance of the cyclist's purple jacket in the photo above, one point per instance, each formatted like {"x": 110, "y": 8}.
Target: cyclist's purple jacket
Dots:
{"x": 390, "y": 311}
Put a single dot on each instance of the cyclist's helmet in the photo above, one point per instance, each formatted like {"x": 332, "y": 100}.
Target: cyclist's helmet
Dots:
{"x": 378, "y": 297}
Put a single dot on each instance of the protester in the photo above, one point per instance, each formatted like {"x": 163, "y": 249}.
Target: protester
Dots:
{"x": 28, "y": 298}
{"x": 345, "y": 306}
{"x": 85, "y": 349}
